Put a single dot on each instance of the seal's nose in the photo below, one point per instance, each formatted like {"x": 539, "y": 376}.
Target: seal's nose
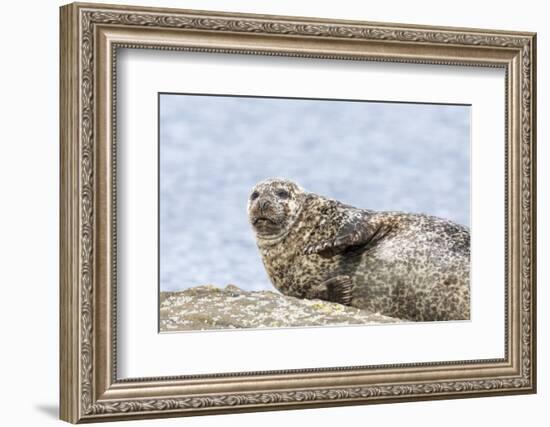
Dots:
{"x": 263, "y": 205}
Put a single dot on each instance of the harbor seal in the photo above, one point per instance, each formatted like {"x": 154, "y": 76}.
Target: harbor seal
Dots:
{"x": 404, "y": 265}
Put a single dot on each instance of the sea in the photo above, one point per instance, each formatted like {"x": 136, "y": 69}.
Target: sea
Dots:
{"x": 384, "y": 156}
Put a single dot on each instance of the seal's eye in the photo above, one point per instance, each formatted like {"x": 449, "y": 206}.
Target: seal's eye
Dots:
{"x": 254, "y": 195}
{"x": 283, "y": 194}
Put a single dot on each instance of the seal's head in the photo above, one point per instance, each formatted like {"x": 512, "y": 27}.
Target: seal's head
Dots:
{"x": 273, "y": 206}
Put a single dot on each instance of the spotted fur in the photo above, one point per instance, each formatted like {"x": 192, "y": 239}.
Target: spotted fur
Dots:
{"x": 409, "y": 266}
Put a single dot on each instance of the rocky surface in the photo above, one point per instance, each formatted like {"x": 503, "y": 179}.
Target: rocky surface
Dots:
{"x": 209, "y": 307}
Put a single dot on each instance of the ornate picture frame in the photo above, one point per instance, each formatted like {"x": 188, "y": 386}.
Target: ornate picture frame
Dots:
{"x": 90, "y": 37}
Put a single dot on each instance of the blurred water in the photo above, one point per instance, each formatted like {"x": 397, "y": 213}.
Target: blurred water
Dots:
{"x": 382, "y": 156}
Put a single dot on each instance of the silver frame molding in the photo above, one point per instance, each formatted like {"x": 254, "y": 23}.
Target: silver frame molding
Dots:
{"x": 90, "y": 37}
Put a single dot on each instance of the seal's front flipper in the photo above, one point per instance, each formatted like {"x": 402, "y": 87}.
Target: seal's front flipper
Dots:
{"x": 339, "y": 289}
{"x": 356, "y": 232}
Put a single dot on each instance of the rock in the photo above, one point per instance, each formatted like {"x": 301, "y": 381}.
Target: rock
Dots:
{"x": 210, "y": 307}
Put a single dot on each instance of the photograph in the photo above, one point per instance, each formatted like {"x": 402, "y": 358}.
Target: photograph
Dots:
{"x": 290, "y": 212}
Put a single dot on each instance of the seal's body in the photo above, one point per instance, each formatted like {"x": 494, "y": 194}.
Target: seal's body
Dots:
{"x": 409, "y": 266}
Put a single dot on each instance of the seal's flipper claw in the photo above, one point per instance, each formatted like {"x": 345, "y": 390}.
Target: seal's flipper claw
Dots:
{"x": 313, "y": 248}
{"x": 324, "y": 249}
{"x": 339, "y": 289}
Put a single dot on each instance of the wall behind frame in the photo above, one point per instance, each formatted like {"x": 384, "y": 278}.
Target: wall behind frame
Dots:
{"x": 29, "y": 173}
